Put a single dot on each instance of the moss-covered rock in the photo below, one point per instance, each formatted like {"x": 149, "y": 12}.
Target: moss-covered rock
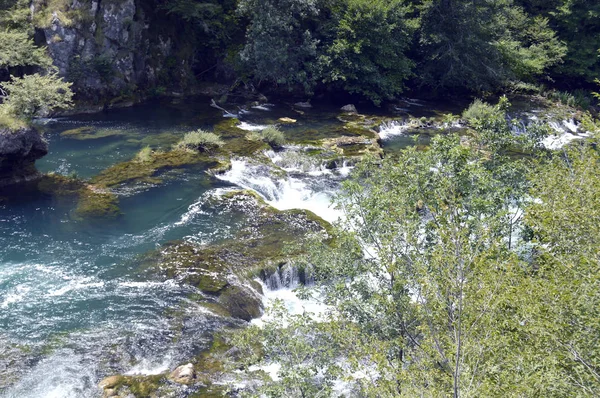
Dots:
{"x": 134, "y": 171}
{"x": 356, "y": 147}
{"x": 92, "y": 201}
{"x": 224, "y": 271}
{"x": 138, "y": 386}
{"x": 241, "y": 303}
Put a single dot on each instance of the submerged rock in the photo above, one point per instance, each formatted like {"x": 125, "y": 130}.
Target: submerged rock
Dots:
{"x": 19, "y": 149}
{"x": 92, "y": 201}
{"x": 286, "y": 120}
{"x": 304, "y": 104}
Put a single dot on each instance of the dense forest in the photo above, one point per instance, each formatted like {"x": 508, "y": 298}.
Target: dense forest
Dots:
{"x": 463, "y": 265}
{"x": 374, "y": 50}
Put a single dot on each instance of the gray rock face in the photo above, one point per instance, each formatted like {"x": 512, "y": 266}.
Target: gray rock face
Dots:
{"x": 114, "y": 48}
{"x": 18, "y": 152}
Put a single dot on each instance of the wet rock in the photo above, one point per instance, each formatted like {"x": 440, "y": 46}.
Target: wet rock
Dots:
{"x": 350, "y": 108}
{"x": 224, "y": 271}
{"x": 110, "y": 382}
{"x": 241, "y": 302}
{"x": 305, "y": 104}
{"x": 184, "y": 374}
{"x": 19, "y": 149}
{"x": 110, "y": 392}
{"x": 286, "y": 120}
{"x": 356, "y": 146}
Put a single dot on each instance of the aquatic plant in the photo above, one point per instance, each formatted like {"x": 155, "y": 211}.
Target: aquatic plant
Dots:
{"x": 200, "y": 140}
{"x": 273, "y": 136}
{"x": 144, "y": 155}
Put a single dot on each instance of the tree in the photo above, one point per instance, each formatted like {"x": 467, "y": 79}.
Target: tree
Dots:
{"x": 367, "y": 55}
{"x": 422, "y": 272}
{"x": 281, "y": 41}
{"x": 565, "y": 225}
{"x": 36, "y": 95}
{"x": 17, "y": 49}
{"x": 480, "y": 46}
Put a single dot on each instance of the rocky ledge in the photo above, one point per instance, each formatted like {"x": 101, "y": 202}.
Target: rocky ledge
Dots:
{"x": 19, "y": 149}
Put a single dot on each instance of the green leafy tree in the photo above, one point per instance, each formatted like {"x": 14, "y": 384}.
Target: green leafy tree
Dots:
{"x": 18, "y": 49}
{"x": 565, "y": 223}
{"x": 281, "y": 41}
{"x": 479, "y": 46}
{"x": 422, "y": 273}
{"x": 36, "y": 95}
{"x": 367, "y": 55}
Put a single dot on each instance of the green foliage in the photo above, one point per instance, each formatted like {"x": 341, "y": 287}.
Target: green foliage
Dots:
{"x": 493, "y": 130}
{"x": 281, "y": 44}
{"x": 200, "y": 140}
{"x": 273, "y": 136}
{"x": 565, "y": 220}
{"x": 36, "y": 95}
{"x": 300, "y": 345}
{"x": 447, "y": 279}
{"x": 478, "y": 110}
{"x": 367, "y": 55}
{"x": 481, "y": 46}
{"x": 420, "y": 274}
{"x": 9, "y": 121}
{"x": 577, "y": 23}
{"x": 17, "y": 49}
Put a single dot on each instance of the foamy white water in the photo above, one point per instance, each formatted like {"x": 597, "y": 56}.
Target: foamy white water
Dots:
{"x": 252, "y": 127}
{"x": 391, "y": 129}
{"x": 302, "y": 191}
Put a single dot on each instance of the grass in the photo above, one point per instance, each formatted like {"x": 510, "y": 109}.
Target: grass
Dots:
{"x": 200, "y": 140}
{"x": 271, "y": 135}
{"x": 144, "y": 155}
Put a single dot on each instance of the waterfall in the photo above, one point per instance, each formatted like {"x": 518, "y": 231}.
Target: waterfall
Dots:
{"x": 393, "y": 128}
{"x": 299, "y": 183}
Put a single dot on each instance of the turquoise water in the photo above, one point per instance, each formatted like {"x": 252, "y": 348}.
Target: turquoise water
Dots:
{"x": 74, "y": 304}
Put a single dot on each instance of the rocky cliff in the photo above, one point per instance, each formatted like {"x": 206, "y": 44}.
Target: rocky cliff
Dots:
{"x": 19, "y": 150}
{"x": 114, "y": 50}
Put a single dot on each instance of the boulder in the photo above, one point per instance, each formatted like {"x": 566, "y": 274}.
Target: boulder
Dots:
{"x": 19, "y": 149}
{"x": 183, "y": 374}
{"x": 350, "y": 108}
{"x": 110, "y": 382}
{"x": 241, "y": 302}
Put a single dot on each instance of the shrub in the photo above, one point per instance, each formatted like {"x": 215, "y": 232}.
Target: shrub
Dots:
{"x": 273, "y": 136}
{"x": 144, "y": 155}
{"x": 478, "y": 110}
{"x": 9, "y": 121}
{"x": 200, "y": 140}
{"x": 36, "y": 95}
